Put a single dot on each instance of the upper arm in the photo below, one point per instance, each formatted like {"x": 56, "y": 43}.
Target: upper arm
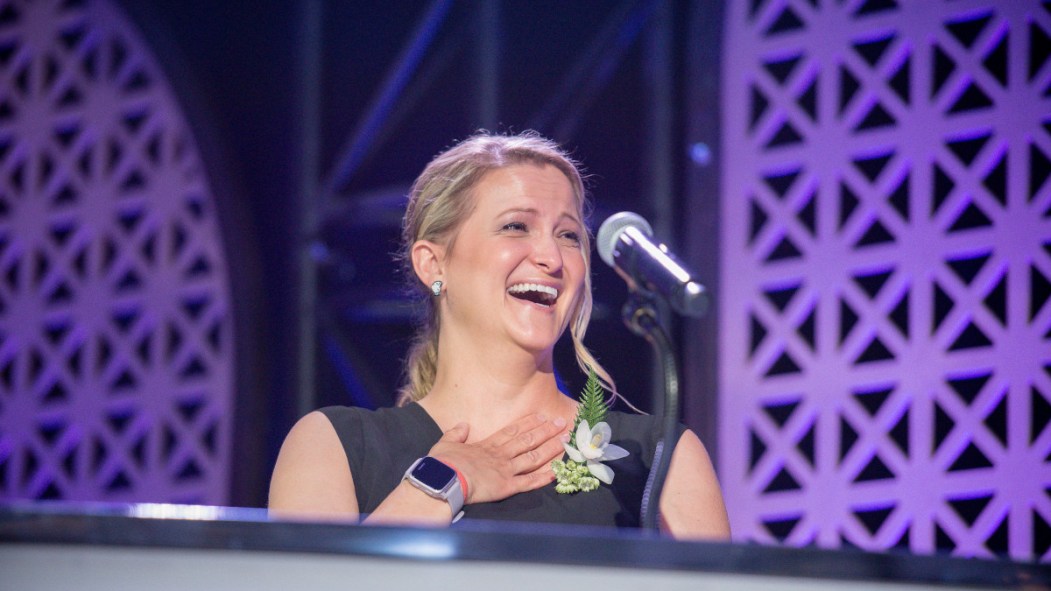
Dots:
{"x": 312, "y": 476}
{"x": 691, "y": 503}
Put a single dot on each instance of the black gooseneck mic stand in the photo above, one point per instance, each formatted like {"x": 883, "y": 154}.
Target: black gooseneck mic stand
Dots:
{"x": 654, "y": 276}
{"x": 641, "y": 317}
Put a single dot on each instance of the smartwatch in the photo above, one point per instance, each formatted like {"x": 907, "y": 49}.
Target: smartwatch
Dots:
{"x": 437, "y": 480}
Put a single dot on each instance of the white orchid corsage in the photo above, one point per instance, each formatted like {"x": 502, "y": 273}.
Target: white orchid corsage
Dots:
{"x": 589, "y": 445}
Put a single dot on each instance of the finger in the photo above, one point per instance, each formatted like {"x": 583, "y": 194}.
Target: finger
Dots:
{"x": 542, "y": 476}
{"x": 535, "y": 437}
{"x": 514, "y": 429}
{"x": 538, "y": 457}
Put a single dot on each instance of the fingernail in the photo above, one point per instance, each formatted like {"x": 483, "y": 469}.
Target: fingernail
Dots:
{"x": 564, "y": 438}
{"x": 560, "y": 422}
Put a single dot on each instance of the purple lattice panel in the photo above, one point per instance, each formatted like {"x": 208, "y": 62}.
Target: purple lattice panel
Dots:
{"x": 886, "y": 333}
{"x": 116, "y": 366}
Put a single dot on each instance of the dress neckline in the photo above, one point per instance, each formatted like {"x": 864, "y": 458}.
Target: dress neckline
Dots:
{"x": 425, "y": 418}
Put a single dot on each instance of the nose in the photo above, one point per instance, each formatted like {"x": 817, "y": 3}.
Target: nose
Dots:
{"x": 547, "y": 254}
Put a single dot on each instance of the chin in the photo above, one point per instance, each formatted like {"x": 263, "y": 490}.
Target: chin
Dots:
{"x": 535, "y": 343}
{"x": 537, "y": 347}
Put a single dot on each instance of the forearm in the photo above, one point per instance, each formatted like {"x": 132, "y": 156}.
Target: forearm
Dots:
{"x": 407, "y": 504}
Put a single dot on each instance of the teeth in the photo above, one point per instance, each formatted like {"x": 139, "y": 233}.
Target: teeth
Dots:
{"x": 524, "y": 287}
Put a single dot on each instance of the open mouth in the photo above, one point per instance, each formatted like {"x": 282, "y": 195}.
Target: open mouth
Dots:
{"x": 534, "y": 292}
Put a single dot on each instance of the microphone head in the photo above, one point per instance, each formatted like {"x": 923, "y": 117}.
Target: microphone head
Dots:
{"x": 610, "y": 230}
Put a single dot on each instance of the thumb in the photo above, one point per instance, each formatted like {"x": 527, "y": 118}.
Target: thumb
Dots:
{"x": 457, "y": 433}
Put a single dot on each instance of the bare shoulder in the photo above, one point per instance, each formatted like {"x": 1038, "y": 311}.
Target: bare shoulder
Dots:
{"x": 691, "y": 503}
{"x": 312, "y": 478}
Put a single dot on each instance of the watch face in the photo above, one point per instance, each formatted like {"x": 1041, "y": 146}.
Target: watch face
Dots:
{"x": 433, "y": 473}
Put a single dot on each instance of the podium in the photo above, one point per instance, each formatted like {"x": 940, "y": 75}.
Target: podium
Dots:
{"x": 178, "y": 547}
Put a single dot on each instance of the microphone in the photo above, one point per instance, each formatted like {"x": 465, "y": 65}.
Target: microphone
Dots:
{"x": 625, "y": 243}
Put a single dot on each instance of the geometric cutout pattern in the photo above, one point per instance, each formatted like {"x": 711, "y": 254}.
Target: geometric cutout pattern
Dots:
{"x": 885, "y": 367}
{"x": 116, "y": 364}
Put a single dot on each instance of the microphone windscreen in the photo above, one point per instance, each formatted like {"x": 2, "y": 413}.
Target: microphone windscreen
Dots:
{"x": 610, "y": 230}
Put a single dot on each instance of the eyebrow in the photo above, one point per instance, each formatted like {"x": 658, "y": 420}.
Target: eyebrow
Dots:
{"x": 534, "y": 211}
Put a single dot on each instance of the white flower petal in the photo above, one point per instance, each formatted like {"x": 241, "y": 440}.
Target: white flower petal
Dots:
{"x": 601, "y": 471}
{"x": 602, "y": 429}
{"x": 614, "y": 452}
{"x": 583, "y": 436}
{"x": 592, "y": 453}
{"x": 585, "y": 442}
{"x": 574, "y": 454}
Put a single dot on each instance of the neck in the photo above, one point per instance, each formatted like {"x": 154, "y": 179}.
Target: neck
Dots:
{"x": 489, "y": 387}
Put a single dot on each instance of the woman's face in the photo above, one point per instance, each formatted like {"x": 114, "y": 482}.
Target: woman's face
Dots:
{"x": 516, "y": 270}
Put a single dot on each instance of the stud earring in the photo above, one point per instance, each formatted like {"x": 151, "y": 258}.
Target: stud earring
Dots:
{"x": 436, "y": 288}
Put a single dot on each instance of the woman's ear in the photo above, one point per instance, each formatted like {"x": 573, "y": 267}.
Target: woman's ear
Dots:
{"x": 428, "y": 260}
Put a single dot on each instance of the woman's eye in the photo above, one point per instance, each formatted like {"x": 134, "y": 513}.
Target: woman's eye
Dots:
{"x": 515, "y": 226}
{"x": 571, "y": 237}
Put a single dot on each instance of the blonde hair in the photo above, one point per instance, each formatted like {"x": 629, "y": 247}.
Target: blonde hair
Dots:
{"x": 440, "y": 201}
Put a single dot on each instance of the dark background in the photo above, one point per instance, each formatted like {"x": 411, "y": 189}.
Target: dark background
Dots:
{"x": 275, "y": 104}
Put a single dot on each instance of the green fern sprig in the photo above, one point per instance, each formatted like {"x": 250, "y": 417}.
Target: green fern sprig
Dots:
{"x": 593, "y": 405}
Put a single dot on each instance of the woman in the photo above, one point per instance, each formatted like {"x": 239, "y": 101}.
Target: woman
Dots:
{"x": 494, "y": 233}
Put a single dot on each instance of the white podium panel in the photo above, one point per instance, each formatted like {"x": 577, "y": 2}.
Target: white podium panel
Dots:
{"x": 177, "y": 548}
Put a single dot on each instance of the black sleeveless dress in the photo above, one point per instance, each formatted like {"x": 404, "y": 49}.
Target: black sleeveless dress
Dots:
{"x": 382, "y": 444}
